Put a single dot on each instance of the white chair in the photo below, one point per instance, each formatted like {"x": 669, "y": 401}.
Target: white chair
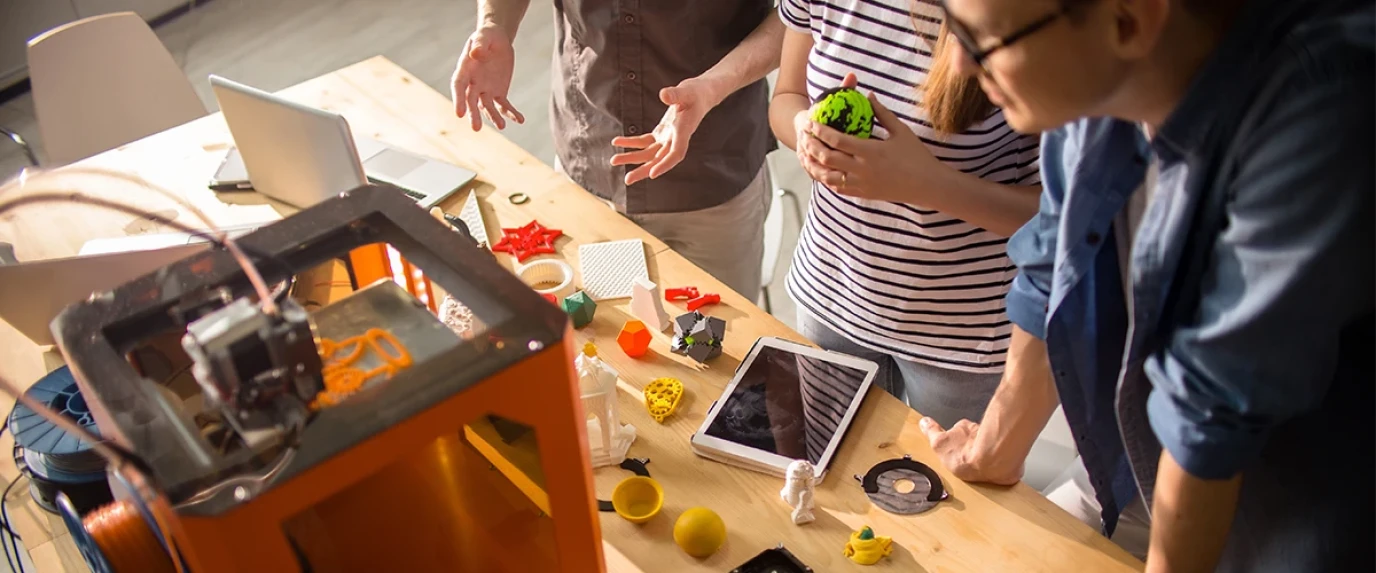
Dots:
{"x": 774, "y": 240}
{"x": 102, "y": 82}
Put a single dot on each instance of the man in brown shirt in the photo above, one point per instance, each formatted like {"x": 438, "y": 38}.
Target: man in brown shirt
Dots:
{"x": 648, "y": 79}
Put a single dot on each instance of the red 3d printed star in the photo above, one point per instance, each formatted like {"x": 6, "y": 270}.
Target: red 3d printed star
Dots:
{"x": 528, "y": 241}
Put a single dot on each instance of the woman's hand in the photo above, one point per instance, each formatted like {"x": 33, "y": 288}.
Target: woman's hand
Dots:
{"x": 899, "y": 168}
{"x": 807, "y": 146}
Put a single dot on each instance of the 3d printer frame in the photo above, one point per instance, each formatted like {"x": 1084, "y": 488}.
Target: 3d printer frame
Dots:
{"x": 527, "y": 343}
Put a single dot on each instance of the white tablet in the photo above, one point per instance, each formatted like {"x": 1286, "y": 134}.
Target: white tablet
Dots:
{"x": 786, "y": 402}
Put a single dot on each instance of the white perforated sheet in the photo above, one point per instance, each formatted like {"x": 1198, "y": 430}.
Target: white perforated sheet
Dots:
{"x": 473, "y": 218}
{"x": 610, "y": 269}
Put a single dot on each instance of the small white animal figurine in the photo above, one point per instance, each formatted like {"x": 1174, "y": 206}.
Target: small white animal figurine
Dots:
{"x": 797, "y": 491}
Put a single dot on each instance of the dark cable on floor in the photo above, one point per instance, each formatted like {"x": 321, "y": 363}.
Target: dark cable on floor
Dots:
{"x": 14, "y": 538}
{"x": 4, "y": 519}
{"x": 8, "y": 560}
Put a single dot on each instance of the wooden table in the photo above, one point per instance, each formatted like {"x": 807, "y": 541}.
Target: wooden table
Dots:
{"x": 982, "y": 528}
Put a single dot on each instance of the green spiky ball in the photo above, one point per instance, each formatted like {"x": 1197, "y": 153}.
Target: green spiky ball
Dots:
{"x": 845, "y": 110}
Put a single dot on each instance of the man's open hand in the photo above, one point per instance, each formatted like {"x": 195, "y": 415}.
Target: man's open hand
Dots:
{"x": 662, "y": 149}
{"x": 482, "y": 78}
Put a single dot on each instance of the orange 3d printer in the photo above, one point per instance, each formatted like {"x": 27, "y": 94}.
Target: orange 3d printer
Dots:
{"x": 361, "y": 435}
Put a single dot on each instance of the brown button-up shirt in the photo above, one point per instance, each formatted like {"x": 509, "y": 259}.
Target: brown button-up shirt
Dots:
{"x": 611, "y": 58}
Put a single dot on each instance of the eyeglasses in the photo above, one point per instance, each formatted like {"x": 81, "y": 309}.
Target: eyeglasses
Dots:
{"x": 981, "y": 55}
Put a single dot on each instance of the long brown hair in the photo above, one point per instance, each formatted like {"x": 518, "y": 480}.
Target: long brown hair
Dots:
{"x": 954, "y": 102}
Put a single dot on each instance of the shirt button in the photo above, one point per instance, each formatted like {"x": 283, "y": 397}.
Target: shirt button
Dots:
{"x": 629, "y": 19}
{"x": 1092, "y": 238}
{"x": 632, "y": 130}
{"x": 630, "y": 76}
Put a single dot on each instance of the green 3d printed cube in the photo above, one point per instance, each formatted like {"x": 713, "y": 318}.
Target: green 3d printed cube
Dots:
{"x": 580, "y": 308}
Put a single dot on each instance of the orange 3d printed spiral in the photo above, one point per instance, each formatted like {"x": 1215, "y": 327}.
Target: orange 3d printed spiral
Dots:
{"x": 342, "y": 378}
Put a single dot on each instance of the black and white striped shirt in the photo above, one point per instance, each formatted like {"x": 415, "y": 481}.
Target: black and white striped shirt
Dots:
{"x": 898, "y": 278}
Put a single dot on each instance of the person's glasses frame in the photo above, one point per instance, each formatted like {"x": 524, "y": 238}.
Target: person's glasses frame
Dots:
{"x": 979, "y": 55}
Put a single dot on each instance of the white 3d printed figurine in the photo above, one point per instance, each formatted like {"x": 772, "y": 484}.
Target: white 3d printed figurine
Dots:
{"x": 798, "y": 491}
{"x": 608, "y": 439}
{"x": 645, "y": 305}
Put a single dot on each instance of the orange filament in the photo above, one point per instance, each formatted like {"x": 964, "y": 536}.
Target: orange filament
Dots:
{"x": 342, "y": 378}
{"x": 125, "y": 538}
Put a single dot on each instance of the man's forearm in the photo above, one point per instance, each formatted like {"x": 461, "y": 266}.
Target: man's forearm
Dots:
{"x": 1021, "y": 406}
{"x": 752, "y": 59}
{"x": 505, "y": 15}
{"x": 1190, "y": 519}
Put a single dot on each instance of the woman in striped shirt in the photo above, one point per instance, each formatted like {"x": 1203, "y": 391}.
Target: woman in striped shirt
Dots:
{"x": 901, "y": 258}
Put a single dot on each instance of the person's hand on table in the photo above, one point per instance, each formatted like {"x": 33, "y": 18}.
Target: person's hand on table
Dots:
{"x": 482, "y": 78}
{"x": 959, "y": 452}
{"x": 662, "y": 149}
{"x": 884, "y": 170}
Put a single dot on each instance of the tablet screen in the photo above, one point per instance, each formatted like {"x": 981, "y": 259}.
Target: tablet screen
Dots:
{"x": 787, "y": 404}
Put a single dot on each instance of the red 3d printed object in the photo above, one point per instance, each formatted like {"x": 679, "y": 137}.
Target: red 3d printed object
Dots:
{"x": 527, "y": 241}
{"x": 703, "y": 300}
{"x": 681, "y": 293}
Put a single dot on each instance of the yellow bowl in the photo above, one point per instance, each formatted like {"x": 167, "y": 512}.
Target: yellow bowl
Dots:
{"x": 637, "y": 499}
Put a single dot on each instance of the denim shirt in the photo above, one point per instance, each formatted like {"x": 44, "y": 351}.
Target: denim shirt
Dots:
{"x": 1247, "y": 345}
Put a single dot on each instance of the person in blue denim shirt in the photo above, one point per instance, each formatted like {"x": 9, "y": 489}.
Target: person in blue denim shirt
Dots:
{"x": 1199, "y": 288}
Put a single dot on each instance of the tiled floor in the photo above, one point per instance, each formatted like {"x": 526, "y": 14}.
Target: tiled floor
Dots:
{"x": 272, "y": 44}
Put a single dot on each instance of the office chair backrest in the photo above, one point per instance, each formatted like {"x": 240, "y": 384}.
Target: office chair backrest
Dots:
{"x": 102, "y": 82}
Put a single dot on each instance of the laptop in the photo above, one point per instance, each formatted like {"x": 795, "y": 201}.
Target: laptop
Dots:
{"x": 33, "y": 293}
{"x": 153, "y": 241}
{"x": 301, "y": 155}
